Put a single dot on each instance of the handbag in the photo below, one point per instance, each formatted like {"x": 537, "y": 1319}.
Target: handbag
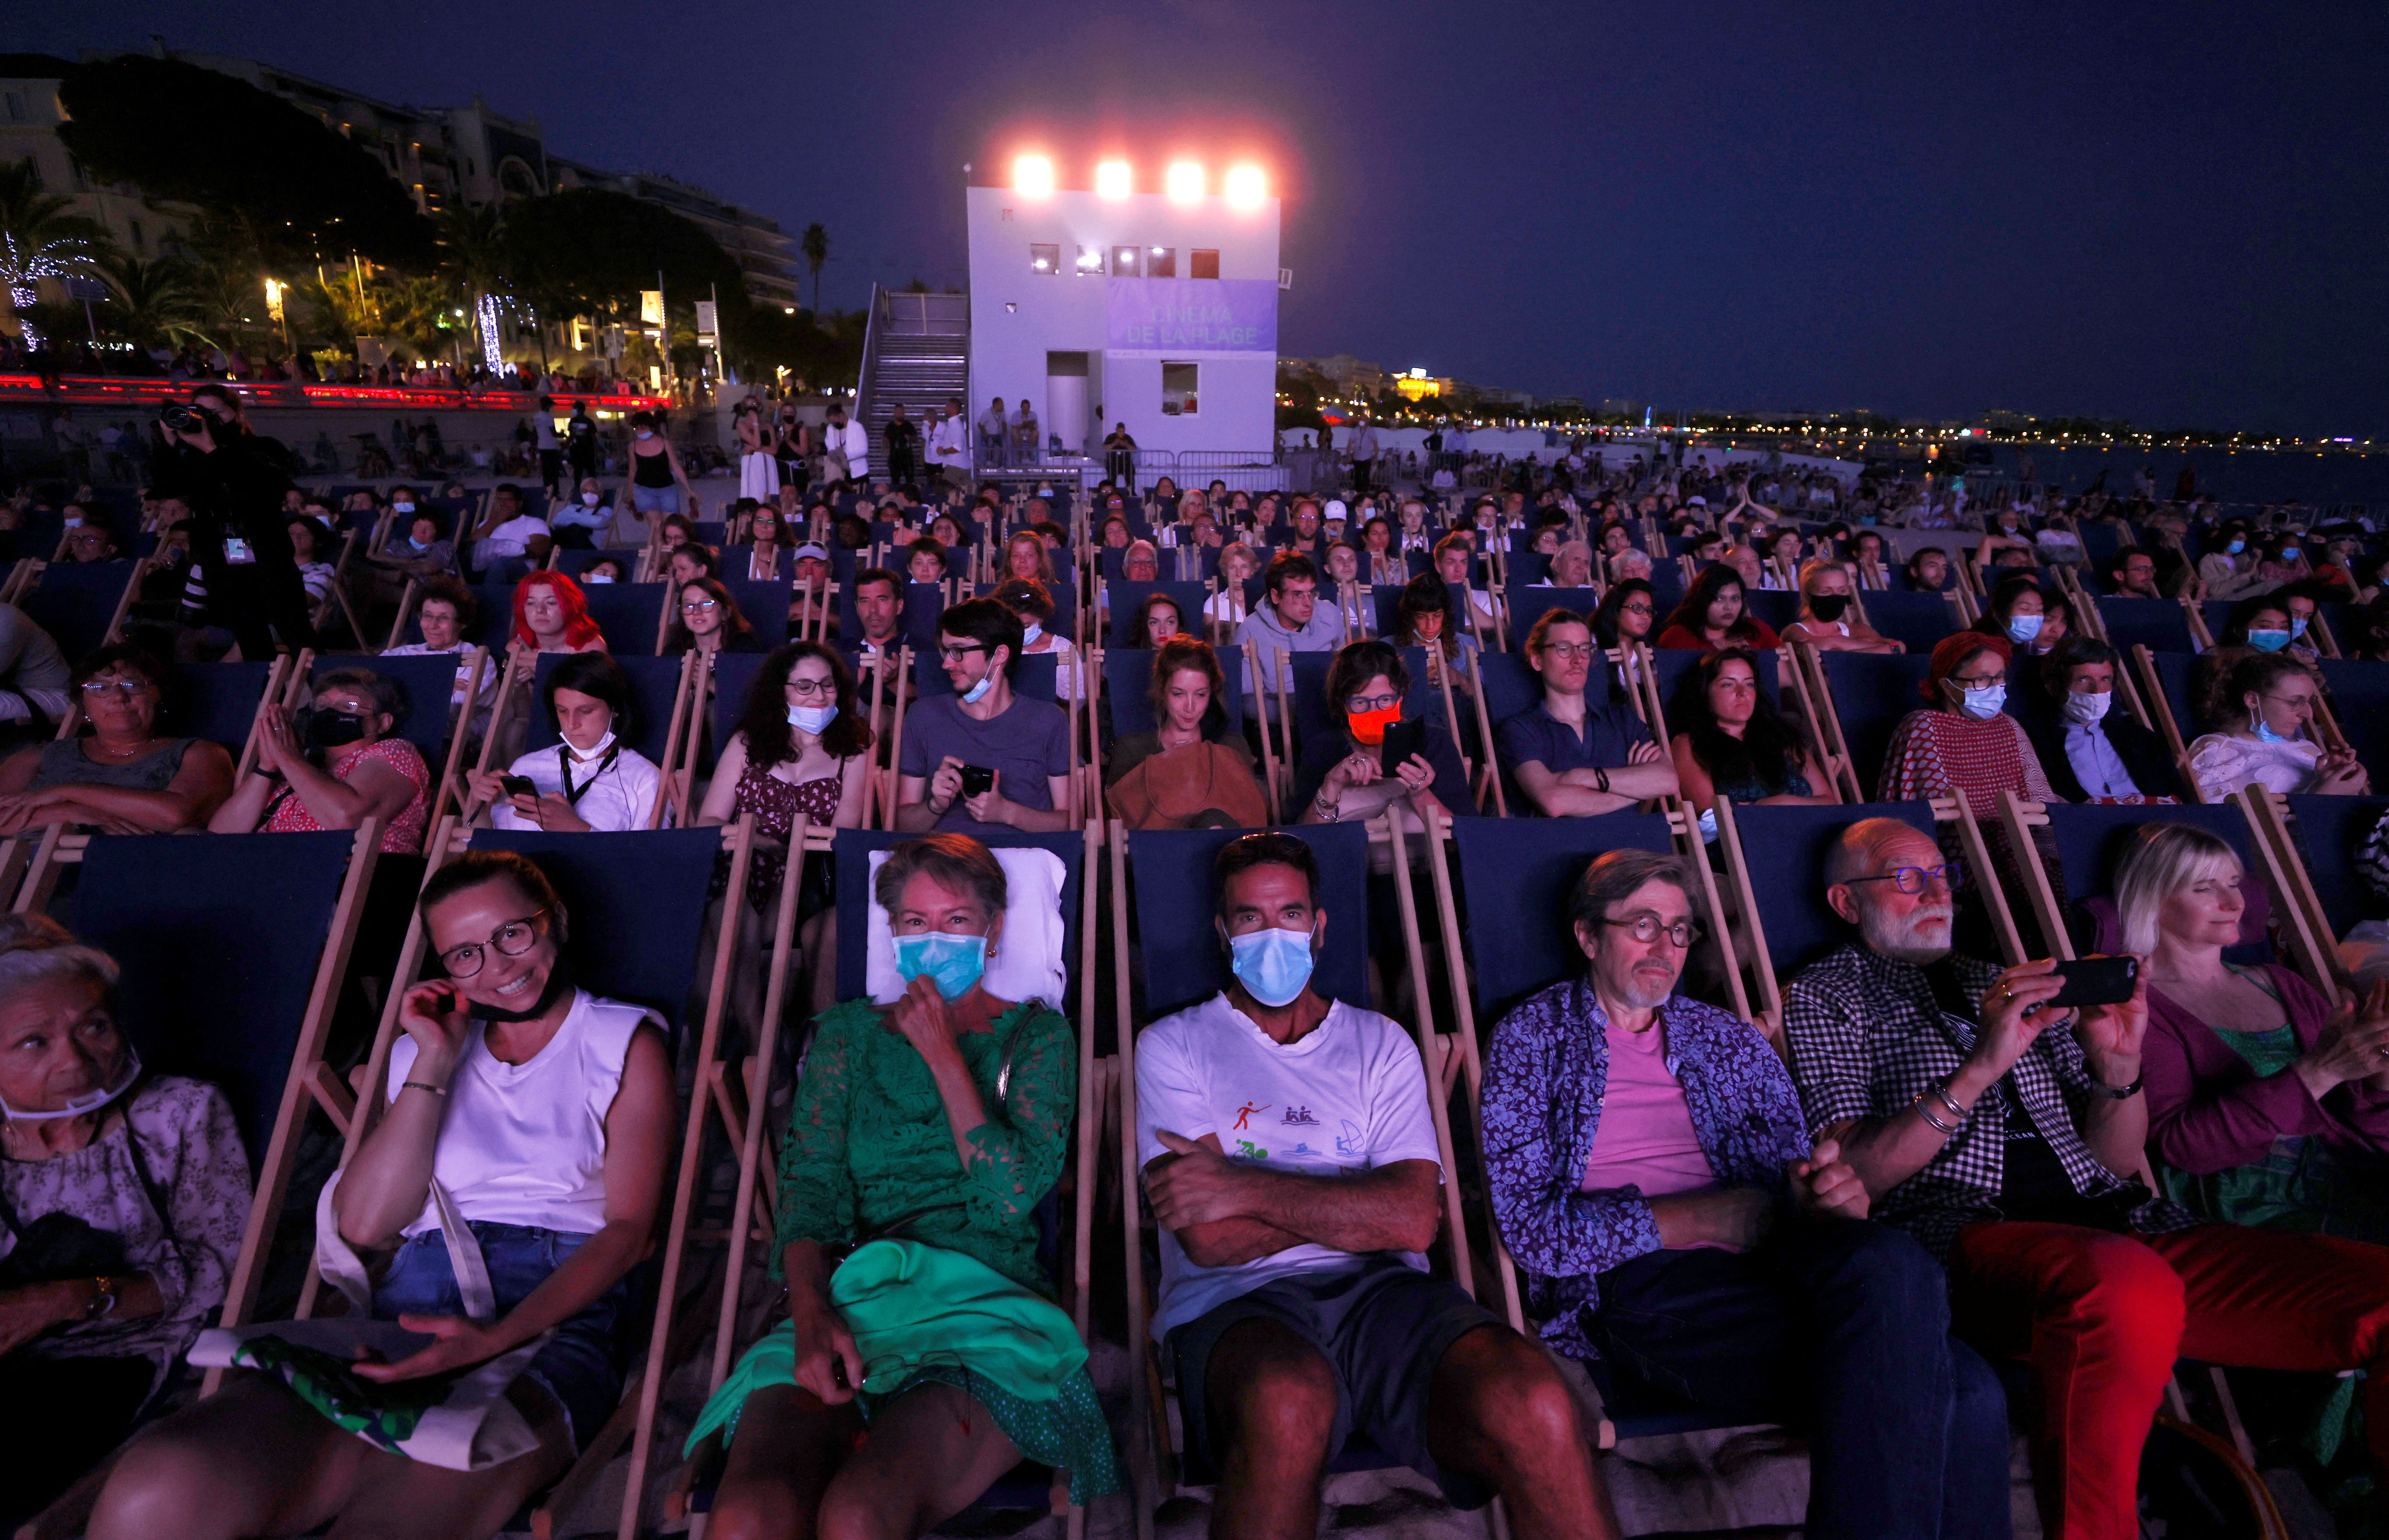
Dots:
{"x": 460, "y": 1421}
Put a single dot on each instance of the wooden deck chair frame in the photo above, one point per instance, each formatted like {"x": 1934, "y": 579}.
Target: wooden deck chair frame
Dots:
{"x": 2089, "y": 621}
{"x": 1805, "y": 667}
{"x": 2309, "y": 926}
{"x": 337, "y": 596}
{"x": 1274, "y": 764}
{"x": 1151, "y": 1460}
{"x": 669, "y": 1341}
{"x": 28, "y": 577}
{"x": 1832, "y": 741}
{"x": 1489, "y": 763}
{"x": 2160, "y": 708}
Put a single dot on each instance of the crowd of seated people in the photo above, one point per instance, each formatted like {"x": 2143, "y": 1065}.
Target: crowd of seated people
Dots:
{"x": 1870, "y": 1269}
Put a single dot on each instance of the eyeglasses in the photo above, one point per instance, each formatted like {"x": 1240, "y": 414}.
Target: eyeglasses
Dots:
{"x": 1638, "y": 609}
{"x": 1979, "y": 681}
{"x": 814, "y": 689}
{"x": 956, "y": 652}
{"x": 1913, "y": 880}
{"x": 1647, "y": 928}
{"x": 126, "y": 689}
{"x": 1571, "y": 652}
{"x": 1359, "y": 705}
{"x": 512, "y": 939}
{"x": 698, "y": 607}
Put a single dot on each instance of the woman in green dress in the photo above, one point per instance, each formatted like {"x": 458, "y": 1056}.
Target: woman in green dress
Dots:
{"x": 923, "y": 1138}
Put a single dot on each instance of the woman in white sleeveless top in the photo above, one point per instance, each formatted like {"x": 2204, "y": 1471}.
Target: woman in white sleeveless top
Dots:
{"x": 547, "y": 1114}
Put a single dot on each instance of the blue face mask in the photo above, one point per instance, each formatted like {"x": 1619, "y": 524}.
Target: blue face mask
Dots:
{"x": 2263, "y": 729}
{"x": 971, "y": 696}
{"x": 2268, "y": 641}
{"x": 2235, "y": 548}
{"x": 2297, "y": 627}
{"x": 1272, "y": 965}
{"x": 2024, "y": 627}
{"x": 952, "y": 962}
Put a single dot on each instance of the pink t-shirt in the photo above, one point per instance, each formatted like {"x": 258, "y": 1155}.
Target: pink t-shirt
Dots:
{"x": 1645, "y": 1139}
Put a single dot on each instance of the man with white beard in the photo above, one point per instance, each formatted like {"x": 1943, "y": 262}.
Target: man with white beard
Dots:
{"x": 1649, "y": 1168}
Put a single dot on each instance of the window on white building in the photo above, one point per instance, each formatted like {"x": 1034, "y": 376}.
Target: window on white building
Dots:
{"x": 1090, "y": 261}
{"x": 1161, "y": 261}
{"x": 1180, "y": 382}
{"x": 1045, "y": 258}
{"x": 1124, "y": 262}
{"x": 1203, "y": 264}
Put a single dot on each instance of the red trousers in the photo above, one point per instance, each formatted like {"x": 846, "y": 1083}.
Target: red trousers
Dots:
{"x": 2102, "y": 1318}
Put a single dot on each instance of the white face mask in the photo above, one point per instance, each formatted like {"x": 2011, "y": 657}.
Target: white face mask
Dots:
{"x": 596, "y": 578}
{"x": 815, "y": 719}
{"x": 2086, "y": 709}
{"x": 589, "y": 499}
{"x": 1984, "y": 703}
{"x": 89, "y": 1101}
{"x": 404, "y": 507}
{"x": 1029, "y": 633}
{"x": 594, "y": 751}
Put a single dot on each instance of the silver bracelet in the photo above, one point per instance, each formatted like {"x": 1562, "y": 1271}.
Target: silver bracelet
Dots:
{"x": 1940, "y": 1090}
{"x": 1926, "y": 1111}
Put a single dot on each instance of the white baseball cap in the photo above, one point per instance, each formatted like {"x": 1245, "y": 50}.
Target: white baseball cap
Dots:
{"x": 1335, "y": 509}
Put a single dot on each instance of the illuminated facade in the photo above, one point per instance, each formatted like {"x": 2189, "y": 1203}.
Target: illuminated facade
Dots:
{"x": 1158, "y": 310}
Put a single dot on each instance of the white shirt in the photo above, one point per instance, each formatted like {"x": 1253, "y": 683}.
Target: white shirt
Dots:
{"x": 621, "y": 796}
{"x": 950, "y": 442}
{"x": 525, "y": 1144}
{"x": 854, "y": 441}
{"x": 577, "y": 515}
{"x": 1350, "y": 1095}
{"x": 511, "y": 537}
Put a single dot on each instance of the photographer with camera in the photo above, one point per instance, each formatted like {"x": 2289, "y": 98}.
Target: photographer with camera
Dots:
{"x": 333, "y": 766}
{"x": 233, "y": 481}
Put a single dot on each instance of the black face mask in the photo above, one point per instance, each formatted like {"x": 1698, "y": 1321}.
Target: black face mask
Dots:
{"x": 1827, "y": 608}
{"x": 333, "y": 729}
{"x": 559, "y": 979}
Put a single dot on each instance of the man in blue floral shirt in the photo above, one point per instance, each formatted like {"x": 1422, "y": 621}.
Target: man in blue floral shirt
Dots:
{"x": 1651, "y": 1172}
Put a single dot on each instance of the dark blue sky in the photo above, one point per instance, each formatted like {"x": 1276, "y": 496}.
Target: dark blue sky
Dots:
{"x": 2173, "y": 213}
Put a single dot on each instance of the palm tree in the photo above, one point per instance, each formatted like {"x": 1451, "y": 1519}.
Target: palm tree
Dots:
{"x": 472, "y": 258}
{"x": 41, "y": 236}
{"x": 816, "y": 245}
{"x": 152, "y": 303}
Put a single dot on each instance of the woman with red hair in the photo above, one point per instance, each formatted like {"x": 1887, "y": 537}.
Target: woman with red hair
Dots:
{"x": 552, "y": 616}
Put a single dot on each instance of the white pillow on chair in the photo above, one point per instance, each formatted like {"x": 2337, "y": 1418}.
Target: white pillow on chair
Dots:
{"x": 1029, "y": 962}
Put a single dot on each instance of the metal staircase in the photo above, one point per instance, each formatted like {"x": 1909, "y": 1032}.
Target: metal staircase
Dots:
{"x": 916, "y": 350}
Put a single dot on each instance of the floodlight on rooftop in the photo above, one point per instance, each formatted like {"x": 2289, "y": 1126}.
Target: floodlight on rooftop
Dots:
{"x": 1112, "y": 179}
{"x": 1246, "y": 187}
{"x": 1185, "y": 182}
{"x": 1032, "y": 174}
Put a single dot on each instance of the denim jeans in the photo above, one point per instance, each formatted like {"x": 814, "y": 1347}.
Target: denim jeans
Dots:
{"x": 656, "y": 500}
{"x": 579, "y": 1366}
{"x": 1838, "y": 1329}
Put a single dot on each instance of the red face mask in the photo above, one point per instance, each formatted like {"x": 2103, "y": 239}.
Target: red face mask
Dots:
{"x": 1369, "y": 727}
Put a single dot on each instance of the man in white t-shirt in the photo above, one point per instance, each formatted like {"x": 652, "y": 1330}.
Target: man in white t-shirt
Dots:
{"x": 1290, "y": 1155}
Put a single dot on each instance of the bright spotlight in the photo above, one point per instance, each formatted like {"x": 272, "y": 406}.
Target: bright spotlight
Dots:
{"x": 1246, "y": 187}
{"x": 1185, "y": 182}
{"x": 1112, "y": 179}
{"x": 1032, "y": 174}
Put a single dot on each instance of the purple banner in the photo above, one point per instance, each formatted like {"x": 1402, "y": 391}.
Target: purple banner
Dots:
{"x": 1191, "y": 317}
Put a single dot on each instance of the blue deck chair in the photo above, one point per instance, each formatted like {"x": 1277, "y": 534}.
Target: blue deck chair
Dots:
{"x": 494, "y": 619}
{"x": 1126, "y": 598}
{"x": 77, "y": 602}
{"x": 2092, "y": 839}
{"x": 1917, "y": 620}
{"x": 1511, "y": 685}
{"x": 626, "y": 615}
{"x": 572, "y": 561}
{"x": 1869, "y": 693}
{"x": 219, "y": 701}
{"x": 2359, "y": 698}
{"x": 1667, "y": 587}
{"x": 1528, "y": 604}
{"x": 923, "y": 602}
{"x": 734, "y": 675}
{"x": 1128, "y": 680}
{"x": 1670, "y": 667}
{"x": 2330, "y": 831}
{"x": 2173, "y": 674}
{"x": 2160, "y": 625}
{"x": 1517, "y": 874}
{"x": 233, "y": 947}
{"x": 764, "y": 601}
{"x": 1784, "y": 850}
{"x": 2100, "y": 541}
{"x": 1778, "y": 607}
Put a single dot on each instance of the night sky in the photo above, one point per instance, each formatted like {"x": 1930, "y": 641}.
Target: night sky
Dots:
{"x": 2176, "y": 213}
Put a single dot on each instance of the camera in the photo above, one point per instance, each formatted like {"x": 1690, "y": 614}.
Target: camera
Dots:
{"x": 181, "y": 417}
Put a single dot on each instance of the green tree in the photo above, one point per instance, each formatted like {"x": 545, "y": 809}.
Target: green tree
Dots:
{"x": 150, "y": 304}
{"x": 473, "y": 256}
{"x": 299, "y": 191}
{"x": 816, "y": 245}
{"x": 41, "y": 236}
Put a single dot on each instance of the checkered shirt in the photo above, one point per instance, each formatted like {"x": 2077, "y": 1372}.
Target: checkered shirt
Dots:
{"x": 1868, "y": 1037}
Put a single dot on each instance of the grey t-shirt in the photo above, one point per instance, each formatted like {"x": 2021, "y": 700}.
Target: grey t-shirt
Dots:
{"x": 1028, "y": 742}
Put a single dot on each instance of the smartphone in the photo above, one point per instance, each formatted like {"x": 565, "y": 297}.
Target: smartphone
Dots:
{"x": 2097, "y": 981}
{"x": 1403, "y": 739}
{"x": 519, "y": 786}
{"x": 977, "y": 778}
